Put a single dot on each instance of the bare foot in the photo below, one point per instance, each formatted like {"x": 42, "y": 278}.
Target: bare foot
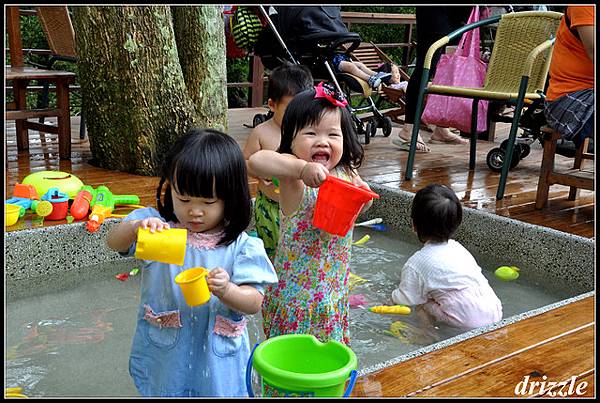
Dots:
{"x": 405, "y": 136}
{"x": 444, "y": 135}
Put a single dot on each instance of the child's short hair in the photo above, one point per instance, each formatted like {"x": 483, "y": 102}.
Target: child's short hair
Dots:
{"x": 303, "y": 110}
{"x": 288, "y": 80}
{"x": 436, "y": 213}
{"x": 208, "y": 163}
{"x": 385, "y": 67}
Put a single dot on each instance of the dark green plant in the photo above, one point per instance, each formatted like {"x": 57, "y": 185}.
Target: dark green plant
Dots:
{"x": 379, "y": 33}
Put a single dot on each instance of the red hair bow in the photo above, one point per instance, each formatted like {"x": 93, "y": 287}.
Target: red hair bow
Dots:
{"x": 326, "y": 91}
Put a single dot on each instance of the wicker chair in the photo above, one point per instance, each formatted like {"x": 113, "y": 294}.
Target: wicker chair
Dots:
{"x": 58, "y": 29}
{"x": 516, "y": 74}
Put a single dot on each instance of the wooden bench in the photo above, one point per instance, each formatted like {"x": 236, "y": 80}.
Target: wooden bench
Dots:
{"x": 577, "y": 178}
{"x": 20, "y": 77}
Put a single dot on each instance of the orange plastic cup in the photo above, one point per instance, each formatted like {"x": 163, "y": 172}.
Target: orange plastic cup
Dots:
{"x": 194, "y": 286}
{"x": 338, "y": 205}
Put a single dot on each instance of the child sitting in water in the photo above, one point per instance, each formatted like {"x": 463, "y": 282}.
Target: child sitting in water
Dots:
{"x": 443, "y": 276}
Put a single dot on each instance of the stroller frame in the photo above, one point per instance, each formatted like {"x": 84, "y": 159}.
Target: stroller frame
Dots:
{"x": 378, "y": 119}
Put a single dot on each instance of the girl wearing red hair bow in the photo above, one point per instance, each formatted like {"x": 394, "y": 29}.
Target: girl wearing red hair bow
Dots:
{"x": 318, "y": 139}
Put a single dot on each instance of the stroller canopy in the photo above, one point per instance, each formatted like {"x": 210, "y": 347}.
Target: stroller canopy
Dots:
{"x": 305, "y": 31}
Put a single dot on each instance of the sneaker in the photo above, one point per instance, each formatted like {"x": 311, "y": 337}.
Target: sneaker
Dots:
{"x": 375, "y": 80}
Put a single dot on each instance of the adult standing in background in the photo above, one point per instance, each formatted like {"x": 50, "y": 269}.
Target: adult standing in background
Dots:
{"x": 433, "y": 23}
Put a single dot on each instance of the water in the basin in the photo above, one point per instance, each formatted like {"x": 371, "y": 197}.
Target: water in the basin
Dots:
{"x": 75, "y": 342}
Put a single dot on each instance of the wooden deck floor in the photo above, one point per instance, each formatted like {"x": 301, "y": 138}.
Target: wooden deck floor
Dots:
{"x": 558, "y": 344}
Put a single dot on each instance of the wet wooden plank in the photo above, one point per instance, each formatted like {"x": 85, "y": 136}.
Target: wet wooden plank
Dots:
{"x": 420, "y": 373}
{"x": 384, "y": 163}
{"x": 557, "y": 360}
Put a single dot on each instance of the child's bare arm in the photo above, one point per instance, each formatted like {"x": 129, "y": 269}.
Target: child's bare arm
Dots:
{"x": 252, "y": 145}
{"x": 121, "y": 237}
{"x": 357, "y": 180}
{"x": 267, "y": 163}
{"x": 242, "y": 298}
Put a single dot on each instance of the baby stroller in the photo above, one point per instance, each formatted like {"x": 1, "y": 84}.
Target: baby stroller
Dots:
{"x": 311, "y": 36}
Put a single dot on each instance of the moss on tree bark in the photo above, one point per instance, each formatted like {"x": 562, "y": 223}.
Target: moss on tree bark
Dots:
{"x": 136, "y": 100}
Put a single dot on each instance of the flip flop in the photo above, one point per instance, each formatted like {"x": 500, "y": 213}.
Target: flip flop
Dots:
{"x": 405, "y": 145}
{"x": 455, "y": 139}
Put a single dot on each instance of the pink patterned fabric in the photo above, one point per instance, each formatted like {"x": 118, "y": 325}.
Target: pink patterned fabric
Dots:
{"x": 463, "y": 68}
{"x": 229, "y": 328}
{"x": 201, "y": 240}
{"x": 162, "y": 319}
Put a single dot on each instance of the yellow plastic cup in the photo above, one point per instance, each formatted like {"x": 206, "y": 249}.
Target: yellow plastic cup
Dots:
{"x": 194, "y": 286}
{"x": 12, "y": 213}
{"x": 167, "y": 246}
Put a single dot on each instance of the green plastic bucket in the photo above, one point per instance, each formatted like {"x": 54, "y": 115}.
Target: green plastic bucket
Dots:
{"x": 300, "y": 365}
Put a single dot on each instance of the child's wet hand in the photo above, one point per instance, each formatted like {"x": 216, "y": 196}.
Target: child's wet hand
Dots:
{"x": 218, "y": 282}
{"x": 154, "y": 224}
{"x": 357, "y": 181}
{"x": 313, "y": 174}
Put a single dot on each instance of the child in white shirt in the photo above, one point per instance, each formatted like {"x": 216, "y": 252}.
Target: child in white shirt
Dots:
{"x": 443, "y": 276}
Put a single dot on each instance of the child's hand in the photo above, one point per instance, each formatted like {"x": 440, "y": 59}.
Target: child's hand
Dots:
{"x": 154, "y": 224}
{"x": 218, "y": 282}
{"x": 313, "y": 174}
{"x": 357, "y": 181}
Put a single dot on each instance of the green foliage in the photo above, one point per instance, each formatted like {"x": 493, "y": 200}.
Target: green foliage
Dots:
{"x": 380, "y": 33}
{"x": 238, "y": 70}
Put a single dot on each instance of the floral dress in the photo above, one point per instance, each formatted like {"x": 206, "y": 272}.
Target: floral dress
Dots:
{"x": 312, "y": 265}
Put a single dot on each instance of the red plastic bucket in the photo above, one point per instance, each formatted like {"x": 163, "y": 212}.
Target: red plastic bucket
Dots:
{"x": 338, "y": 205}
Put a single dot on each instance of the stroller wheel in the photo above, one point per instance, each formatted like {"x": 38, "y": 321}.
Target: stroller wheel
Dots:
{"x": 387, "y": 126}
{"x": 496, "y": 156}
{"x": 525, "y": 150}
{"x": 258, "y": 119}
{"x": 371, "y": 128}
{"x": 360, "y": 129}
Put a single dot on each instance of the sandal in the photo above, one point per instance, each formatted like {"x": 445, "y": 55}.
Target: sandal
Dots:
{"x": 405, "y": 145}
{"x": 450, "y": 138}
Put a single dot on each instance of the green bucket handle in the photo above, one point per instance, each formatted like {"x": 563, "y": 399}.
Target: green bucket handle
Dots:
{"x": 353, "y": 376}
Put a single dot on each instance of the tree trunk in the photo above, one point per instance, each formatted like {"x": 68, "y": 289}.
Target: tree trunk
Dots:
{"x": 200, "y": 36}
{"x": 135, "y": 97}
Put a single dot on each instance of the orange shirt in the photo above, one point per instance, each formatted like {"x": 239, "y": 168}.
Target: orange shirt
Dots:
{"x": 571, "y": 69}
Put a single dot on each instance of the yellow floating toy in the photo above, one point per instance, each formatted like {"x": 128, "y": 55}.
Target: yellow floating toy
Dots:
{"x": 391, "y": 309}
{"x": 355, "y": 280}
{"x": 507, "y": 273}
{"x": 362, "y": 240}
{"x": 14, "y": 392}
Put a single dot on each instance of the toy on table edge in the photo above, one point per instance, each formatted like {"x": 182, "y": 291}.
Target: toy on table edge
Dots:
{"x": 102, "y": 202}
{"x": 26, "y": 197}
{"x": 44, "y": 180}
{"x": 375, "y": 223}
